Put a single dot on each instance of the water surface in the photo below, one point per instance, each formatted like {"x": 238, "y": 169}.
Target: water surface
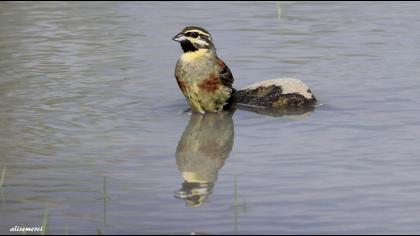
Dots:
{"x": 92, "y": 123}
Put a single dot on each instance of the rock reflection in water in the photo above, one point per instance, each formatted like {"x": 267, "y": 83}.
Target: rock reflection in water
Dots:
{"x": 299, "y": 112}
{"x": 202, "y": 150}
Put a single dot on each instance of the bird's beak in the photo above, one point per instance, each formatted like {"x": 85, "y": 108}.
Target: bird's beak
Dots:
{"x": 179, "y": 37}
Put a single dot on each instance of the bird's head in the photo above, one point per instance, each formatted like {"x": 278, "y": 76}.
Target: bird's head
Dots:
{"x": 193, "y": 38}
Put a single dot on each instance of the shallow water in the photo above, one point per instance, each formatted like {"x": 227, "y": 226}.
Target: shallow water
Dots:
{"x": 93, "y": 128}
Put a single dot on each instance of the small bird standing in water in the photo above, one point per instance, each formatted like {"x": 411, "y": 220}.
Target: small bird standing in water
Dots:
{"x": 204, "y": 79}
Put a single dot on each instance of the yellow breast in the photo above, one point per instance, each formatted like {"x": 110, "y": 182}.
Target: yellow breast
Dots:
{"x": 192, "y": 56}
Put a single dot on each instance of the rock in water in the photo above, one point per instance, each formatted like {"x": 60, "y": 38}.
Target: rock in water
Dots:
{"x": 277, "y": 93}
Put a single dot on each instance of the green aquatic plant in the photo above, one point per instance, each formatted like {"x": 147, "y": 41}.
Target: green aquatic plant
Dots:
{"x": 105, "y": 197}
{"x": 104, "y": 192}
{"x": 45, "y": 221}
{"x": 66, "y": 230}
{"x": 278, "y": 10}
{"x": 235, "y": 191}
{"x": 3, "y": 199}
{"x": 2, "y": 177}
{"x": 236, "y": 205}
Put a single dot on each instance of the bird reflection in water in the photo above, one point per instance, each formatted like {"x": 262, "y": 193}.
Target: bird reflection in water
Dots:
{"x": 202, "y": 150}
{"x": 206, "y": 144}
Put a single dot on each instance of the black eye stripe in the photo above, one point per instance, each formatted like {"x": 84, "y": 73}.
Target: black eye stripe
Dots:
{"x": 192, "y": 34}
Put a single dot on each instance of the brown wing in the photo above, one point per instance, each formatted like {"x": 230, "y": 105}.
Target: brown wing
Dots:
{"x": 225, "y": 74}
{"x": 181, "y": 84}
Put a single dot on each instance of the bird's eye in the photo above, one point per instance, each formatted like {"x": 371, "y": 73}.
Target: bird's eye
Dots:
{"x": 194, "y": 34}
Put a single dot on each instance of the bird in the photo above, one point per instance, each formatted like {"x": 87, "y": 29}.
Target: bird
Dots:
{"x": 207, "y": 82}
{"x": 204, "y": 79}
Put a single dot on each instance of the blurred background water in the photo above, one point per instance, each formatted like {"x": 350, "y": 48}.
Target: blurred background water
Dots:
{"x": 92, "y": 123}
